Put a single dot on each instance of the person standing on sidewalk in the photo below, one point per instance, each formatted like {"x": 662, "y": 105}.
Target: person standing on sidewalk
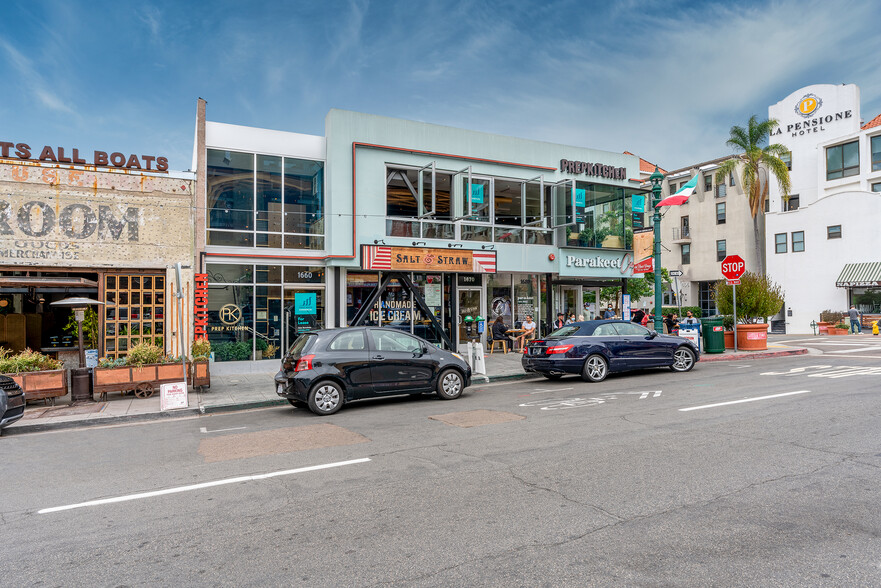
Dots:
{"x": 855, "y": 320}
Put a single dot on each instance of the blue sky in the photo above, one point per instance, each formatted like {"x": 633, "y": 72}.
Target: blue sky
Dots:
{"x": 662, "y": 79}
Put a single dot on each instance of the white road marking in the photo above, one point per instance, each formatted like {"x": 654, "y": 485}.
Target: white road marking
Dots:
{"x": 551, "y": 390}
{"x": 743, "y": 400}
{"x": 202, "y": 485}
{"x": 857, "y": 350}
{"x": 205, "y": 430}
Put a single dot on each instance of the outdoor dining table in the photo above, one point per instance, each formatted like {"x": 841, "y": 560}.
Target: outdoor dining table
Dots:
{"x": 515, "y": 333}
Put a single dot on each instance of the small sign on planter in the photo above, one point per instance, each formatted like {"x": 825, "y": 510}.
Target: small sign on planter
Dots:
{"x": 173, "y": 396}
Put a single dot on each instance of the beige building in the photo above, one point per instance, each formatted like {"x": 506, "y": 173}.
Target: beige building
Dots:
{"x": 698, "y": 235}
{"x": 107, "y": 232}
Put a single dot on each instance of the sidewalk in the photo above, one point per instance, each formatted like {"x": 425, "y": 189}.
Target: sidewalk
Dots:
{"x": 255, "y": 389}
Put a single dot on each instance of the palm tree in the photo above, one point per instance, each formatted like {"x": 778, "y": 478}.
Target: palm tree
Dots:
{"x": 755, "y": 160}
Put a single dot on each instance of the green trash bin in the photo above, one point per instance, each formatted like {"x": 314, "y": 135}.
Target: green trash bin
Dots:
{"x": 714, "y": 335}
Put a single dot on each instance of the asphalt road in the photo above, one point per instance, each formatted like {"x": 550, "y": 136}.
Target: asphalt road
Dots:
{"x": 653, "y": 479}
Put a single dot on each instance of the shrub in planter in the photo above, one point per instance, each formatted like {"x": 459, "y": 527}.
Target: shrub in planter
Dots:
{"x": 27, "y": 361}
{"x": 232, "y": 351}
{"x": 757, "y": 298}
{"x": 201, "y": 349}
{"x": 145, "y": 353}
{"x": 831, "y": 316}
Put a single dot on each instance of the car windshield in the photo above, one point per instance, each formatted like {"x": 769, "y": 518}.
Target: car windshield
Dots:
{"x": 567, "y": 331}
{"x": 301, "y": 343}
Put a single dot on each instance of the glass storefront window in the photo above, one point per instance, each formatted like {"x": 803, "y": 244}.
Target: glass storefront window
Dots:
{"x": 268, "y": 181}
{"x": 508, "y": 201}
{"x": 358, "y": 289}
{"x": 134, "y": 317}
{"x": 229, "y": 273}
{"x": 303, "y": 275}
{"x": 498, "y": 298}
{"x": 476, "y": 233}
{"x": 230, "y": 181}
{"x": 267, "y": 321}
{"x": 230, "y": 321}
{"x": 525, "y": 300}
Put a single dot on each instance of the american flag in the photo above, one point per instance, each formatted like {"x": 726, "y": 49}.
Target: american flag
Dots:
{"x": 378, "y": 258}
{"x": 483, "y": 262}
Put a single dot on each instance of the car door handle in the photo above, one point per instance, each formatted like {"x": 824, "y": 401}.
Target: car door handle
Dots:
{"x": 380, "y": 357}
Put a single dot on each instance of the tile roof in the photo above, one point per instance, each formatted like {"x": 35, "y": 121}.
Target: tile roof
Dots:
{"x": 646, "y": 166}
{"x": 875, "y": 122}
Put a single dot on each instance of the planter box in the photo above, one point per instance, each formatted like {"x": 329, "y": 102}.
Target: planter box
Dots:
{"x": 47, "y": 385}
{"x": 823, "y": 327}
{"x": 834, "y": 331}
{"x": 752, "y": 337}
{"x": 729, "y": 339}
{"x": 140, "y": 380}
{"x": 200, "y": 374}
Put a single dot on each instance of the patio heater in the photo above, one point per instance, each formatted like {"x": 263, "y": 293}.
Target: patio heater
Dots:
{"x": 80, "y": 377}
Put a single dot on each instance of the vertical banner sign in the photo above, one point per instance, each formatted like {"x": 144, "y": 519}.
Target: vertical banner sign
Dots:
{"x": 637, "y": 205}
{"x": 305, "y": 309}
{"x": 580, "y": 203}
{"x": 625, "y": 307}
{"x": 477, "y": 193}
{"x": 643, "y": 249}
{"x": 200, "y": 307}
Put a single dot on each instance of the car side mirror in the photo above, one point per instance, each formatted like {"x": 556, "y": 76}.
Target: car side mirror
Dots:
{"x": 652, "y": 335}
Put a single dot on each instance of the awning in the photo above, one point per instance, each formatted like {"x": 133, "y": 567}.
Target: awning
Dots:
{"x": 860, "y": 274}
{"x": 46, "y": 282}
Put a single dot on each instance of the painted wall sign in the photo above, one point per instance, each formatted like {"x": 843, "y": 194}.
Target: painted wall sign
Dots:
{"x": 200, "y": 306}
{"x": 381, "y": 257}
{"x": 593, "y": 169}
{"x": 99, "y": 158}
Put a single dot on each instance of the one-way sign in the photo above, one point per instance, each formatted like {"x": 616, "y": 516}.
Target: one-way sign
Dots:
{"x": 675, "y": 273}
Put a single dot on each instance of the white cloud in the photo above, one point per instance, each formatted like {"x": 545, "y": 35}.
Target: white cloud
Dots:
{"x": 32, "y": 81}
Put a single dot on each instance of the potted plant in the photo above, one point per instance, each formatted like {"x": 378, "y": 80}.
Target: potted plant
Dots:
{"x": 757, "y": 298}
{"x": 40, "y": 376}
{"x": 839, "y": 328}
{"x": 827, "y": 318}
{"x": 728, "y": 325}
{"x": 199, "y": 374}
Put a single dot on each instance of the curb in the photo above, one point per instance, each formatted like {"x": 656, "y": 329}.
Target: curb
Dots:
{"x": 19, "y": 428}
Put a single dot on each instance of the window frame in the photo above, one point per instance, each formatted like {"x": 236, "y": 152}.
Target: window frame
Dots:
{"x": 720, "y": 218}
{"x": 844, "y": 171}
{"x": 778, "y": 243}
{"x": 833, "y": 234}
{"x": 792, "y": 203}
{"x": 708, "y": 182}
{"x": 722, "y": 253}
{"x": 801, "y": 241}
{"x": 685, "y": 254}
{"x": 347, "y": 333}
{"x": 875, "y": 164}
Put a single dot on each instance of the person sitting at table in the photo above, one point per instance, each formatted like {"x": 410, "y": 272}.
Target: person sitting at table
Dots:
{"x": 499, "y": 329}
{"x": 528, "y": 332}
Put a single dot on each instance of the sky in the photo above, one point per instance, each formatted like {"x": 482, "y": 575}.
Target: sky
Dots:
{"x": 665, "y": 80}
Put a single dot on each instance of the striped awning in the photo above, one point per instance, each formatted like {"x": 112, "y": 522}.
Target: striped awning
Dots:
{"x": 860, "y": 274}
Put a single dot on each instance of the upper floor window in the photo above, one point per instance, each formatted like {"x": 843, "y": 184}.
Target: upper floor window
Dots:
{"x": 720, "y": 213}
{"x": 683, "y": 222}
{"x": 791, "y": 203}
{"x": 876, "y": 187}
{"x": 780, "y": 243}
{"x": 258, "y": 200}
{"x": 876, "y": 153}
{"x": 787, "y": 159}
{"x": 721, "y": 191}
{"x": 686, "y": 254}
{"x": 843, "y": 160}
{"x": 721, "y": 250}
{"x": 798, "y": 241}
{"x": 731, "y": 179}
{"x": 708, "y": 182}
{"x": 833, "y": 232}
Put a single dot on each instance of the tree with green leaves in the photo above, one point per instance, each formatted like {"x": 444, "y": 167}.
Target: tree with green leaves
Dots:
{"x": 755, "y": 159}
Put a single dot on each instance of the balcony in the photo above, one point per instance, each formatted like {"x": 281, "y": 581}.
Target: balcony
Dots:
{"x": 681, "y": 235}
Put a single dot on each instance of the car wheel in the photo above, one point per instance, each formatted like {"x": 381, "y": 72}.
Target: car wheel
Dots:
{"x": 450, "y": 385}
{"x": 553, "y": 376}
{"x": 325, "y": 398}
{"x": 683, "y": 360}
{"x": 298, "y": 403}
{"x": 596, "y": 368}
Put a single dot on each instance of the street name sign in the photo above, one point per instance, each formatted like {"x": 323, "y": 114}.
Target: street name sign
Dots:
{"x": 733, "y": 282}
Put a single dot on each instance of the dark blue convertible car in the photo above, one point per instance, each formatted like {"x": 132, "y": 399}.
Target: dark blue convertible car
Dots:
{"x": 594, "y": 349}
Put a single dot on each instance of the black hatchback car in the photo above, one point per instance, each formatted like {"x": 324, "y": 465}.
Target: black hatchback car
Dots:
{"x": 325, "y": 369}
{"x": 594, "y": 349}
{"x": 11, "y": 401}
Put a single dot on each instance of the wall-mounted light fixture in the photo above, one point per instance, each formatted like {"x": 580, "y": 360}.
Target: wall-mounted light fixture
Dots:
{"x": 459, "y": 245}
{"x": 487, "y": 246}
{"x": 417, "y": 243}
{"x": 378, "y": 242}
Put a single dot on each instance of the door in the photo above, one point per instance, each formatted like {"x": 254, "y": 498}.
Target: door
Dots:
{"x": 303, "y": 311}
{"x": 568, "y": 301}
{"x": 399, "y": 363}
{"x": 638, "y": 350}
{"x": 468, "y": 309}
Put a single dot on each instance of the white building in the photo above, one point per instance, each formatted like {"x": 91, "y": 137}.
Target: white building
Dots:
{"x": 822, "y": 243}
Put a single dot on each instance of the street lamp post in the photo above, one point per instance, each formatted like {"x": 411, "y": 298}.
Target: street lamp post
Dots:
{"x": 656, "y": 178}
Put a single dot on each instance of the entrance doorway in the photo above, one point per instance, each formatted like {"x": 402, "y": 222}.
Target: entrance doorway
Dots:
{"x": 470, "y": 301}
{"x": 303, "y": 311}
{"x": 568, "y": 300}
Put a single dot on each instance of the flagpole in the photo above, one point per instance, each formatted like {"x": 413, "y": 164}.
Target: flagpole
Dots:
{"x": 656, "y": 178}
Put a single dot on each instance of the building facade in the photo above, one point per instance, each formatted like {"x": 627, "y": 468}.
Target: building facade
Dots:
{"x": 433, "y": 230}
{"x": 713, "y": 223}
{"x": 109, "y": 227}
{"x": 822, "y": 241}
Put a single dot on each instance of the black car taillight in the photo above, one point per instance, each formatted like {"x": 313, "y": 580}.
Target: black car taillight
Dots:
{"x": 304, "y": 363}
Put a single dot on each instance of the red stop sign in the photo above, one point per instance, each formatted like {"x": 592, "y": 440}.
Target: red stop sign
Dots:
{"x": 733, "y": 267}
